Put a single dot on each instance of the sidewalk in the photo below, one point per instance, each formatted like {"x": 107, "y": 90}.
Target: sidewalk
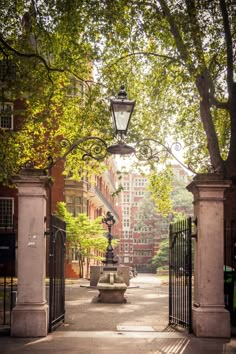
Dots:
{"x": 139, "y": 326}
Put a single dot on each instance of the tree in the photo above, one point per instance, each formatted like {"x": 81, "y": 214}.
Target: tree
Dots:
{"x": 83, "y": 234}
{"x": 182, "y": 200}
{"x": 162, "y": 257}
{"x": 177, "y": 59}
{"x": 206, "y": 49}
{"x": 149, "y": 217}
{"x": 160, "y": 186}
{"x": 169, "y": 193}
{"x": 44, "y": 43}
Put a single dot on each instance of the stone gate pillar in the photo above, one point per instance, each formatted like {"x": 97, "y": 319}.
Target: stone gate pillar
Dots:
{"x": 30, "y": 315}
{"x": 210, "y": 318}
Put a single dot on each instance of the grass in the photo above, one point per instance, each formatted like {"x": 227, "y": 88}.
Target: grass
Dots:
{"x": 164, "y": 279}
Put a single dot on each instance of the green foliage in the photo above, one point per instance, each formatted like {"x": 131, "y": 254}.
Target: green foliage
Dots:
{"x": 169, "y": 193}
{"x": 177, "y": 61}
{"x": 182, "y": 200}
{"x": 162, "y": 257}
{"x": 160, "y": 186}
{"x": 175, "y": 58}
{"x": 147, "y": 216}
{"x": 82, "y": 233}
{"x": 48, "y": 44}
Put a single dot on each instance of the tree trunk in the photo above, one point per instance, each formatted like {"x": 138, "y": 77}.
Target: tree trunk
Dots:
{"x": 231, "y": 160}
{"x": 230, "y": 165}
{"x": 81, "y": 268}
{"x": 206, "y": 118}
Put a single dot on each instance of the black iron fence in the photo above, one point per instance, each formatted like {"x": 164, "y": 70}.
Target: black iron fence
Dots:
{"x": 7, "y": 272}
{"x": 57, "y": 248}
{"x": 180, "y": 274}
{"x": 230, "y": 268}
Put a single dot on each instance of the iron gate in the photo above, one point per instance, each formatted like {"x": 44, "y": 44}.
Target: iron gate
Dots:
{"x": 180, "y": 274}
{"x": 57, "y": 244}
{"x": 7, "y": 271}
{"x": 230, "y": 268}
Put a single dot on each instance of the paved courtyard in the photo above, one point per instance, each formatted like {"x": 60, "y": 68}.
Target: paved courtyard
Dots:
{"x": 139, "y": 326}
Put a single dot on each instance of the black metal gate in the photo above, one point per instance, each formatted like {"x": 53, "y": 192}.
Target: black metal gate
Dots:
{"x": 57, "y": 244}
{"x": 7, "y": 272}
{"x": 180, "y": 274}
{"x": 230, "y": 268}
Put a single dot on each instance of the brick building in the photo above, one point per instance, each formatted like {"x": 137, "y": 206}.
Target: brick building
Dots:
{"x": 137, "y": 238}
{"x": 94, "y": 198}
{"x": 142, "y": 227}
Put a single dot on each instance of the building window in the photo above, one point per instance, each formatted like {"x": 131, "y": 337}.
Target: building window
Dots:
{"x": 126, "y": 247}
{"x": 6, "y": 212}
{"x": 139, "y": 192}
{"x": 126, "y": 259}
{"x": 140, "y": 182}
{"x": 74, "y": 255}
{"x": 126, "y": 198}
{"x": 6, "y": 115}
{"x": 75, "y": 88}
{"x": 126, "y": 186}
{"x": 126, "y": 210}
{"x": 126, "y": 234}
{"x": 126, "y": 222}
{"x": 74, "y": 204}
{"x": 121, "y": 248}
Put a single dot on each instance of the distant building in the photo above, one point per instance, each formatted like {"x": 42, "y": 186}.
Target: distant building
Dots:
{"x": 142, "y": 227}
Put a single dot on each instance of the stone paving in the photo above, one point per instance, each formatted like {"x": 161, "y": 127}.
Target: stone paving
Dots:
{"x": 139, "y": 326}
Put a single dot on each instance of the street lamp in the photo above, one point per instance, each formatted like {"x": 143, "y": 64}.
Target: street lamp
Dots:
{"x": 122, "y": 109}
{"x": 109, "y": 221}
{"x": 147, "y": 149}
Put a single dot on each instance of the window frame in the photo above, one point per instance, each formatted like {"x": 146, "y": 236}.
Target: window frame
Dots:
{"x": 8, "y": 226}
{"x": 2, "y": 105}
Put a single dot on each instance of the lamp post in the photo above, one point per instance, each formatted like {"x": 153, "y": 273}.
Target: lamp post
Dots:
{"x": 109, "y": 221}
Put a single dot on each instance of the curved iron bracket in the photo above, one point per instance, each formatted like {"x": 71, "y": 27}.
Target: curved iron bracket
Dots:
{"x": 154, "y": 150}
{"x": 96, "y": 149}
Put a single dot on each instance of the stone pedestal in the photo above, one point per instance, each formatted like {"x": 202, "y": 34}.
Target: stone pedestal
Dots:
{"x": 210, "y": 318}
{"x": 30, "y": 315}
{"x": 111, "y": 296}
{"x": 123, "y": 271}
{"x": 111, "y": 288}
{"x": 96, "y": 271}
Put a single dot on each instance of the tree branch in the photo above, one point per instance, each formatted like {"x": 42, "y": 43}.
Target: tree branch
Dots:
{"x": 195, "y": 31}
{"x": 217, "y": 103}
{"x": 148, "y": 54}
{"x": 30, "y": 55}
{"x": 41, "y": 59}
{"x": 229, "y": 45}
{"x": 181, "y": 47}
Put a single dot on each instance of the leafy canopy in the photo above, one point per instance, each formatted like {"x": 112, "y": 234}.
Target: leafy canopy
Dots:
{"x": 176, "y": 58}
